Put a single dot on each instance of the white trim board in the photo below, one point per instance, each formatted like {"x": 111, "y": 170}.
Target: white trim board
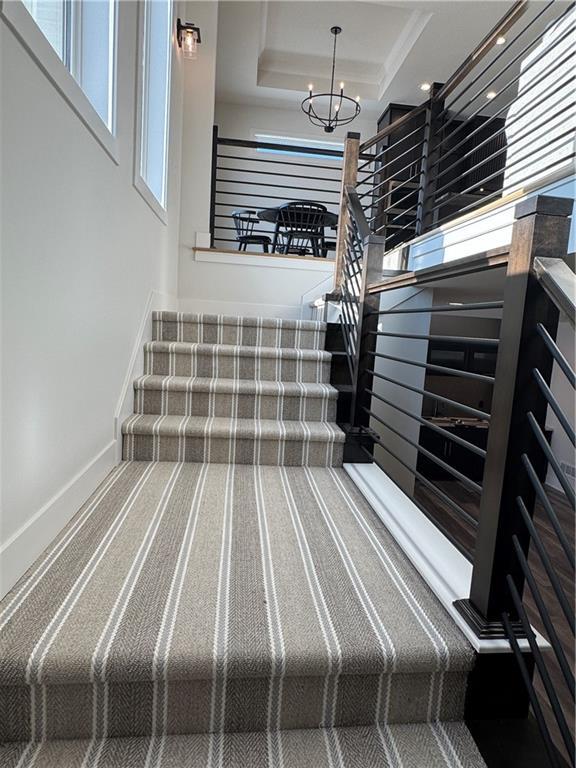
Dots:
{"x": 27, "y": 543}
{"x": 125, "y": 405}
{"x": 266, "y": 260}
{"x": 446, "y": 571}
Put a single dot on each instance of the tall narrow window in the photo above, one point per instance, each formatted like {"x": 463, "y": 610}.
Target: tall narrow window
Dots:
{"x": 155, "y": 96}
{"x": 82, "y": 32}
{"x": 93, "y": 66}
{"x": 51, "y": 17}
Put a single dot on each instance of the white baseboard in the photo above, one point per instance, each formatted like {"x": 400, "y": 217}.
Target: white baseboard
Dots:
{"x": 29, "y": 541}
{"x": 125, "y": 406}
{"x": 446, "y": 571}
{"x": 245, "y": 309}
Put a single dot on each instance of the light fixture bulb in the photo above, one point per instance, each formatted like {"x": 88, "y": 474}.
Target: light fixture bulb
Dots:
{"x": 341, "y": 86}
{"x": 491, "y": 95}
{"x": 425, "y": 86}
{"x": 358, "y": 99}
{"x": 189, "y": 44}
{"x": 500, "y": 40}
{"x": 310, "y": 87}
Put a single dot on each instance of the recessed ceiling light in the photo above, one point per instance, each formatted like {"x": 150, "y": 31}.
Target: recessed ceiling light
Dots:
{"x": 425, "y": 86}
{"x": 500, "y": 40}
{"x": 491, "y": 94}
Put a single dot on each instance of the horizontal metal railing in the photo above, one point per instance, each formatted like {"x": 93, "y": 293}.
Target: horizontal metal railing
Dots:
{"x": 505, "y": 119}
{"x": 253, "y": 176}
{"x": 555, "y": 721}
{"x": 489, "y": 516}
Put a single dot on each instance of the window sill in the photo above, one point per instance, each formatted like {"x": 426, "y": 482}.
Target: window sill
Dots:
{"x": 17, "y": 18}
{"x": 148, "y": 196}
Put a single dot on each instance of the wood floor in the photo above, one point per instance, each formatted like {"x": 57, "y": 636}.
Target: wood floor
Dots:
{"x": 464, "y": 535}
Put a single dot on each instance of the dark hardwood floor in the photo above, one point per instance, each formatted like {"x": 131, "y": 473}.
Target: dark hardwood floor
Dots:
{"x": 464, "y": 534}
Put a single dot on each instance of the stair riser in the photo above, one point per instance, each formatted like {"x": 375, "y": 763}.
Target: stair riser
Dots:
{"x": 216, "y": 450}
{"x": 249, "y": 336}
{"x": 128, "y": 709}
{"x": 229, "y": 367}
{"x": 241, "y": 406}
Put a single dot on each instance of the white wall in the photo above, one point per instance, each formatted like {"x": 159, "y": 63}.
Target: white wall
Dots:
{"x": 198, "y": 120}
{"x": 411, "y": 349}
{"x": 82, "y": 257}
{"x": 242, "y": 121}
{"x": 247, "y": 284}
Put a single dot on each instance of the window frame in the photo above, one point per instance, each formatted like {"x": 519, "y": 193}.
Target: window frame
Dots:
{"x": 22, "y": 24}
{"x": 140, "y": 184}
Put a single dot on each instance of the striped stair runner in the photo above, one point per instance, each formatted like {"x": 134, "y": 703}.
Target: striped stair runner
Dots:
{"x": 227, "y": 598}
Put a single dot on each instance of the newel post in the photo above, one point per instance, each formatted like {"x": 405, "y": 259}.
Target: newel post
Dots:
{"x": 349, "y": 177}
{"x": 541, "y": 229}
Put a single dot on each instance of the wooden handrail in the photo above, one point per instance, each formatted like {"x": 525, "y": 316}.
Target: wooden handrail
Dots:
{"x": 478, "y": 262}
{"x": 357, "y": 212}
{"x": 505, "y": 23}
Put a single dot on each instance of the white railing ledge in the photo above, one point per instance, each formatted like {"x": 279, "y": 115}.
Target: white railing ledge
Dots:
{"x": 446, "y": 571}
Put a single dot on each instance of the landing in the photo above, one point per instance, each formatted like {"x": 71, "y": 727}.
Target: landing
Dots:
{"x": 208, "y": 572}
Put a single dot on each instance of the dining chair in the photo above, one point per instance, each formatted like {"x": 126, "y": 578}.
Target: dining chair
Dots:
{"x": 301, "y": 227}
{"x": 244, "y": 222}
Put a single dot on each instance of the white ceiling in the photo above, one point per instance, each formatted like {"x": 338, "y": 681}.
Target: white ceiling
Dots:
{"x": 269, "y": 51}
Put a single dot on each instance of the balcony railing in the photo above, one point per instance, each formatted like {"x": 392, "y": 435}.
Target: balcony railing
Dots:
{"x": 504, "y": 122}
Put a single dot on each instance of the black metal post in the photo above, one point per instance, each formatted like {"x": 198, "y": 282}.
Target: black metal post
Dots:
{"x": 367, "y": 323}
{"x": 541, "y": 230}
{"x": 213, "y": 185}
{"x": 429, "y": 165}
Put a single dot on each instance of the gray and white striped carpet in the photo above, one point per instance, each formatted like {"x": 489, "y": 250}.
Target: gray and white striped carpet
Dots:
{"x": 196, "y": 613}
{"x": 235, "y": 390}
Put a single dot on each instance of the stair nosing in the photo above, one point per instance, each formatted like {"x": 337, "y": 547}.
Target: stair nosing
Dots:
{"x": 236, "y": 350}
{"x": 250, "y": 387}
{"x": 200, "y": 318}
{"x": 170, "y": 426}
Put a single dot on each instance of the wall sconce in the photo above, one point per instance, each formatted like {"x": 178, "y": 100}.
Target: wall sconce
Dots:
{"x": 188, "y": 36}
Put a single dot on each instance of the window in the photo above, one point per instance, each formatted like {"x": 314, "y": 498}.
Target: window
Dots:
{"x": 50, "y": 15}
{"x": 154, "y": 98}
{"x": 82, "y": 32}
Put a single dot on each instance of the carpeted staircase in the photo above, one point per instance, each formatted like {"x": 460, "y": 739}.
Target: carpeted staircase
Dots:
{"x": 227, "y": 598}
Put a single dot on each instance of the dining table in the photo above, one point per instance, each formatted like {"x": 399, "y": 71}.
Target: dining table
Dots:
{"x": 272, "y": 215}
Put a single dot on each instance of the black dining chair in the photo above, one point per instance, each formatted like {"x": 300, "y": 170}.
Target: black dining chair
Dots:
{"x": 301, "y": 227}
{"x": 244, "y": 222}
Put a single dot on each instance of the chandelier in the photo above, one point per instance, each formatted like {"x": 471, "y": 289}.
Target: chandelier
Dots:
{"x": 333, "y": 108}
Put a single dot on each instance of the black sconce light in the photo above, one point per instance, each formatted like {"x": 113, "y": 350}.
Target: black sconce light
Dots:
{"x": 188, "y": 36}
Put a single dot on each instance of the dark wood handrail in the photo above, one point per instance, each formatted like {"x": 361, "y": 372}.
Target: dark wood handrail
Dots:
{"x": 355, "y": 208}
{"x": 497, "y": 257}
{"x": 393, "y": 127}
{"x": 505, "y": 23}
{"x": 559, "y": 282}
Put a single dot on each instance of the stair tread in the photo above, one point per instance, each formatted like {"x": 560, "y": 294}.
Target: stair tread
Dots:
{"x": 262, "y": 322}
{"x": 232, "y": 386}
{"x": 218, "y": 426}
{"x": 438, "y": 745}
{"x": 134, "y": 578}
{"x": 232, "y": 350}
